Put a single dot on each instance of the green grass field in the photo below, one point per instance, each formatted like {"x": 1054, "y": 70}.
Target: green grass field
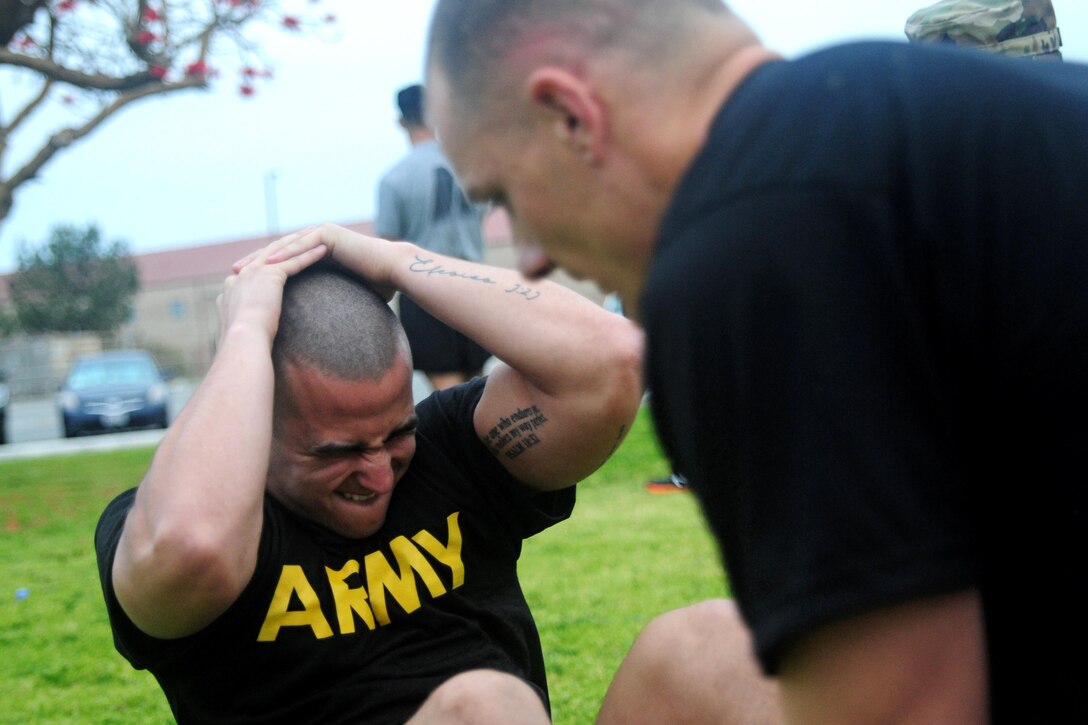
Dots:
{"x": 593, "y": 581}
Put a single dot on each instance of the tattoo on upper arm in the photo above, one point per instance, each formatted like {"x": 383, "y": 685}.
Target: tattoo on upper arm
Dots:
{"x": 516, "y": 433}
{"x": 431, "y": 268}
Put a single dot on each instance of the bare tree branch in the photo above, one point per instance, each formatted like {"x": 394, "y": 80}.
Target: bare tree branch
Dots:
{"x": 66, "y": 137}
{"x": 24, "y": 113}
{"x": 57, "y": 72}
{"x": 120, "y": 51}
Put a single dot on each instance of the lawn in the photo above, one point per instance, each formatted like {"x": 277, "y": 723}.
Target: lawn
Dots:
{"x": 593, "y": 581}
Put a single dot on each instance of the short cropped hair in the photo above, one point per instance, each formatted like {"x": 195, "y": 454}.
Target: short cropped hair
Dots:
{"x": 333, "y": 321}
{"x": 467, "y": 37}
{"x": 410, "y": 103}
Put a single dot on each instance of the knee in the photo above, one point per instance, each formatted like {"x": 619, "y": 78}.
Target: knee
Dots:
{"x": 715, "y": 622}
{"x": 692, "y": 665}
{"x": 482, "y": 696}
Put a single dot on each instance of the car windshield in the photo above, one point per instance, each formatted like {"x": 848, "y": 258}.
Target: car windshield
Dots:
{"x": 95, "y": 373}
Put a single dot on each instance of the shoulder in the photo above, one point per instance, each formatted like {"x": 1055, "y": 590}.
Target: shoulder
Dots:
{"x": 451, "y": 410}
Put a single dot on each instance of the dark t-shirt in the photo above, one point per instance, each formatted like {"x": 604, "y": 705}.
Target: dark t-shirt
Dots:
{"x": 868, "y": 347}
{"x": 336, "y": 630}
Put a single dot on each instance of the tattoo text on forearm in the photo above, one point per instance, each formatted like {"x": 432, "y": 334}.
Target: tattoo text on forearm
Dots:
{"x": 431, "y": 268}
{"x": 517, "y": 433}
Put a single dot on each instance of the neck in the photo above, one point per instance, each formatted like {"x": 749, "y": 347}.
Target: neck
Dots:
{"x": 419, "y": 134}
{"x": 661, "y": 152}
{"x": 690, "y": 127}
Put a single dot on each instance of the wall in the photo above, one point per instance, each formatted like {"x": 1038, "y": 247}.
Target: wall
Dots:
{"x": 36, "y": 365}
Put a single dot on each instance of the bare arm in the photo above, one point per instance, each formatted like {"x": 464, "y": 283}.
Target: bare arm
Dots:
{"x": 919, "y": 662}
{"x": 189, "y": 544}
{"x": 570, "y": 380}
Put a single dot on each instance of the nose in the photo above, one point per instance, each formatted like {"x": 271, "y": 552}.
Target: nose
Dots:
{"x": 532, "y": 261}
{"x": 374, "y": 471}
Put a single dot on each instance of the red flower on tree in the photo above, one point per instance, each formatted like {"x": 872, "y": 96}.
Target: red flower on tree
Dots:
{"x": 114, "y": 52}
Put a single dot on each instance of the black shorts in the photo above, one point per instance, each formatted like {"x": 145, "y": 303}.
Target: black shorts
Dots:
{"x": 437, "y": 347}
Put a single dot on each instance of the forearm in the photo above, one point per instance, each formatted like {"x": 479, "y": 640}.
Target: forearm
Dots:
{"x": 554, "y": 337}
{"x": 192, "y": 534}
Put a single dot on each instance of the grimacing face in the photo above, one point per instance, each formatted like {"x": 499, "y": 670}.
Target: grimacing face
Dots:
{"x": 339, "y": 447}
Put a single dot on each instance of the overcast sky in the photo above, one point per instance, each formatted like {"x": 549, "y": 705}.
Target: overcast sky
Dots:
{"x": 194, "y": 168}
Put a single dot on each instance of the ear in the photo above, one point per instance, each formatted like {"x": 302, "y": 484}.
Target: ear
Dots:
{"x": 568, "y": 104}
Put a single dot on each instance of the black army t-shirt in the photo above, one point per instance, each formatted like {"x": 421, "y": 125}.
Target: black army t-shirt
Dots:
{"x": 337, "y": 630}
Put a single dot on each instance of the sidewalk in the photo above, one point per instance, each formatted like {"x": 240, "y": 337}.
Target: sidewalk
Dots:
{"x": 68, "y": 446}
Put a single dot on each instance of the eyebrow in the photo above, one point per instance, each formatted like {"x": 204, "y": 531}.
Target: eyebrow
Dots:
{"x": 329, "y": 450}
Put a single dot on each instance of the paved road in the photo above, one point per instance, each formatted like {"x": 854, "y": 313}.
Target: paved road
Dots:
{"x": 34, "y": 427}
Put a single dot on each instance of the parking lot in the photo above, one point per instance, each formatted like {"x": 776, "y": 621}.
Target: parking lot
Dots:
{"x": 34, "y": 428}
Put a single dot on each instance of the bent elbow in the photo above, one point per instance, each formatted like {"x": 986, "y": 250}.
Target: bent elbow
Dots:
{"x": 624, "y": 384}
{"x": 199, "y": 560}
{"x": 176, "y": 582}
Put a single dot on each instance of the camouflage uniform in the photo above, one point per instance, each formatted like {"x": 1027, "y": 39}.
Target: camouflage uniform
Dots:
{"x": 1022, "y": 28}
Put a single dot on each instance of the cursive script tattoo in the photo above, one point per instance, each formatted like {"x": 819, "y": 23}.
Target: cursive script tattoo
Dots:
{"x": 430, "y": 268}
{"x": 527, "y": 292}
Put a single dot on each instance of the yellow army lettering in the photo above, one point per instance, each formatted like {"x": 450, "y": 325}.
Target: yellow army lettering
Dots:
{"x": 369, "y": 602}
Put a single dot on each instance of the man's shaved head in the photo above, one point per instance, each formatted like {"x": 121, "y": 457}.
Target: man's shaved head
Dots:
{"x": 469, "y": 38}
{"x": 332, "y": 321}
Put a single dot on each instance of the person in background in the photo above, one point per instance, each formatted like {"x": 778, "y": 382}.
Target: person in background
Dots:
{"x": 420, "y": 201}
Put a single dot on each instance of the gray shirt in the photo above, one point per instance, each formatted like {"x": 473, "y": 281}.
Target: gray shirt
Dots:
{"x": 420, "y": 201}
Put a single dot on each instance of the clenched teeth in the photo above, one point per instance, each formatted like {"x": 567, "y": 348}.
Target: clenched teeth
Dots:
{"x": 358, "y": 496}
